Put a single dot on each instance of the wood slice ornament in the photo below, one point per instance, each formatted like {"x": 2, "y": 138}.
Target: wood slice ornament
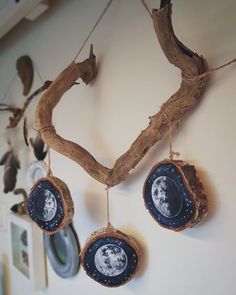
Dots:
{"x": 110, "y": 257}
{"x": 50, "y": 204}
{"x": 174, "y": 195}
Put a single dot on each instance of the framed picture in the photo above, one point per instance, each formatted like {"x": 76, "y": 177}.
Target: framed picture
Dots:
{"x": 63, "y": 251}
{"x": 27, "y": 250}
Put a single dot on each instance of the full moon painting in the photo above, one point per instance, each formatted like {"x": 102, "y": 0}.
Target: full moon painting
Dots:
{"x": 110, "y": 260}
{"x": 46, "y": 205}
{"x": 166, "y": 197}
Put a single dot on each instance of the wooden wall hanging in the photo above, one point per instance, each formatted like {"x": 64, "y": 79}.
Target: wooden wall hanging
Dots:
{"x": 192, "y": 86}
{"x": 110, "y": 257}
{"x": 50, "y": 204}
{"x": 174, "y": 195}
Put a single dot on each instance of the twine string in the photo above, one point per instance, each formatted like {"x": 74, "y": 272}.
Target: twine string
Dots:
{"x": 93, "y": 28}
{"x": 196, "y": 78}
{"x": 9, "y": 87}
{"x": 172, "y": 153}
{"x": 38, "y": 72}
{"x": 98, "y": 21}
{"x": 49, "y": 163}
{"x": 45, "y": 128}
{"x": 146, "y": 7}
{"x": 108, "y": 207}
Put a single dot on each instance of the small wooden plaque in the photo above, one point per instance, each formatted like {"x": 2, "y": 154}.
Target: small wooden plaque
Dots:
{"x": 110, "y": 257}
{"x": 174, "y": 195}
{"x": 50, "y": 204}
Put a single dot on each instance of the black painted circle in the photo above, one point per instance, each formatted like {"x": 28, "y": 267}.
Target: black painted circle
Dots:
{"x": 117, "y": 263}
{"x": 166, "y": 196}
{"x": 43, "y": 196}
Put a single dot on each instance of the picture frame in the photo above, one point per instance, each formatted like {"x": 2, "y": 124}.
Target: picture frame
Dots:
{"x": 63, "y": 251}
{"x": 27, "y": 251}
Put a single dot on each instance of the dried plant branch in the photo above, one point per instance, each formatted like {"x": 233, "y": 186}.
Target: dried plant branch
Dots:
{"x": 18, "y": 114}
{"x": 188, "y": 95}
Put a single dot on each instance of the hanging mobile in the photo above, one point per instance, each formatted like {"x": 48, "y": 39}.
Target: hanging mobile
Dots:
{"x": 109, "y": 256}
{"x": 173, "y": 193}
{"x": 50, "y": 204}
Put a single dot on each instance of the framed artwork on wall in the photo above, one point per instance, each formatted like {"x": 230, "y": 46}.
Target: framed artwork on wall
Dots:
{"x": 27, "y": 250}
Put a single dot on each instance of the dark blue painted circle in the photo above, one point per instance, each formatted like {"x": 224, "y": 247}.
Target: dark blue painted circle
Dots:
{"x": 166, "y": 196}
{"x": 37, "y": 204}
{"x": 116, "y": 243}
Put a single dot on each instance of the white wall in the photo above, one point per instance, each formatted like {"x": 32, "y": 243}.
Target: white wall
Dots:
{"x": 134, "y": 80}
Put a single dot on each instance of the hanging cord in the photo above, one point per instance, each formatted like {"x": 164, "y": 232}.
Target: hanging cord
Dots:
{"x": 108, "y": 207}
{"x": 9, "y": 87}
{"x": 94, "y": 27}
{"x": 147, "y": 8}
{"x": 38, "y": 72}
{"x": 198, "y": 77}
{"x": 49, "y": 163}
{"x": 172, "y": 153}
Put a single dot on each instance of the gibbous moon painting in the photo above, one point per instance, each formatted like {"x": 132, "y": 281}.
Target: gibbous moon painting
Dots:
{"x": 174, "y": 195}
{"x": 110, "y": 260}
{"x": 46, "y": 205}
{"x": 166, "y": 197}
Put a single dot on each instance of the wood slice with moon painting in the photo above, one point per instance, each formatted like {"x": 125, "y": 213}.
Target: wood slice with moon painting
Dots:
{"x": 50, "y": 204}
{"x": 174, "y": 195}
{"x": 110, "y": 257}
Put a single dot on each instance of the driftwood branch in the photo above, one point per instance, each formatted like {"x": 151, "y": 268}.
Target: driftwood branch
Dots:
{"x": 188, "y": 95}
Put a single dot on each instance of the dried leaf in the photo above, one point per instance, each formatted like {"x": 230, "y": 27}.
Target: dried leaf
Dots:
{"x": 25, "y": 70}
{"x": 38, "y": 147}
